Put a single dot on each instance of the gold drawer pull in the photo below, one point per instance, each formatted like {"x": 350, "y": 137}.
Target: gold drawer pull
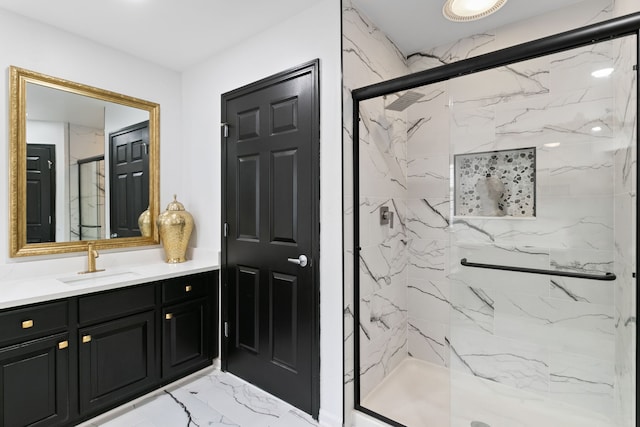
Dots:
{"x": 62, "y": 345}
{"x": 86, "y": 338}
{"x": 27, "y": 324}
{"x": 188, "y": 288}
{"x": 168, "y": 316}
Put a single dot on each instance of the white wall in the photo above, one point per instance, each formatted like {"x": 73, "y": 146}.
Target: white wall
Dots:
{"x": 312, "y": 34}
{"x": 47, "y": 50}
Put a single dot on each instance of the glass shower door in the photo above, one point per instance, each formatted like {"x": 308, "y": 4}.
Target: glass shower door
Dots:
{"x": 543, "y": 178}
{"x": 91, "y": 199}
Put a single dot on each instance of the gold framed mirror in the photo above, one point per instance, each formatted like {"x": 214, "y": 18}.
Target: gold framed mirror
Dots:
{"x": 84, "y": 166}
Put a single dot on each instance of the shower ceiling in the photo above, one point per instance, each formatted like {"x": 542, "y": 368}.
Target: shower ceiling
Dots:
{"x": 417, "y": 25}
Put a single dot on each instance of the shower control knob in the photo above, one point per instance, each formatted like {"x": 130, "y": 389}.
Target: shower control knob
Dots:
{"x": 301, "y": 260}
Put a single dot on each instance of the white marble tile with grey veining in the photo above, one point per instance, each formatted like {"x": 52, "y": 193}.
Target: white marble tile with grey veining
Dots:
{"x": 428, "y": 259}
{"x": 429, "y": 177}
{"x": 380, "y": 356}
{"x": 427, "y": 341}
{"x": 382, "y": 154}
{"x": 558, "y": 324}
{"x": 501, "y": 86}
{"x": 510, "y": 362}
{"x": 561, "y": 170}
{"x": 468, "y": 47}
{"x": 382, "y": 266}
{"x": 382, "y": 312}
{"x": 472, "y": 308}
{"x": 577, "y": 222}
{"x": 473, "y": 130}
{"x": 216, "y": 399}
{"x": 582, "y": 381}
{"x": 428, "y": 218}
{"x": 368, "y": 54}
{"x": 547, "y": 121}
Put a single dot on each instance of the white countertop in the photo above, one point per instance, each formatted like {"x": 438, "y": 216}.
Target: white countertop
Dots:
{"x": 29, "y": 290}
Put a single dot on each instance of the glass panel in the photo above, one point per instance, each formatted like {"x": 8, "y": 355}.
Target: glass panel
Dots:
{"x": 530, "y": 165}
{"x": 535, "y": 349}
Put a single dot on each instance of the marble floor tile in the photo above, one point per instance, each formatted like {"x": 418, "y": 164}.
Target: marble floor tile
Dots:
{"x": 216, "y": 399}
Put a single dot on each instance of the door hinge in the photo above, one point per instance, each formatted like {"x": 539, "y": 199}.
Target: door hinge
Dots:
{"x": 225, "y": 130}
{"x": 226, "y": 329}
{"x": 226, "y": 229}
{"x": 635, "y": 67}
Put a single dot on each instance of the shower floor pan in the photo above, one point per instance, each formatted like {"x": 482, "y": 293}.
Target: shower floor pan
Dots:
{"x": 421, "y": 394}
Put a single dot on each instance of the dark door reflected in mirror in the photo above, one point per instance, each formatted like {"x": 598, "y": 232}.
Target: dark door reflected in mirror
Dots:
{"x": 87, "y": 167}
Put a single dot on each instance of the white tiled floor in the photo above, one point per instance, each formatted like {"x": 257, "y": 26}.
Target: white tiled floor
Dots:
{"x": 212, "y": 398}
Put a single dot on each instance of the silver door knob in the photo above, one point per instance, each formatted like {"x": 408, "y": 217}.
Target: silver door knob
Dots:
{"x": 301, "y": 260}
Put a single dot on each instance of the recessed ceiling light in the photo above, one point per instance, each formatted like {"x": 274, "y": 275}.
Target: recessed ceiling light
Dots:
{"x": 603, "y": 72}
{"x": 596, "y": 129}
{"x": 470, "y": 10}
{"x": 552, "y": 144}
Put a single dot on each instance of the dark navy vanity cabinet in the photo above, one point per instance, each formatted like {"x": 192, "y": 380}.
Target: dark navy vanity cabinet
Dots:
{"x": 66, "y": 361}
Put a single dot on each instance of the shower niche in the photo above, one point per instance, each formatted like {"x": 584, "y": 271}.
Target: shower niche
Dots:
{"x": 495, "y": 183}
{"x": 548, "y": 146}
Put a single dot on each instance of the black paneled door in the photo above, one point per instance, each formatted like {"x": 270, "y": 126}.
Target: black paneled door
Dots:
{"x": 41, "y": 193}
{"x": 129, "y": 190}
{"x": 270, "y": 255}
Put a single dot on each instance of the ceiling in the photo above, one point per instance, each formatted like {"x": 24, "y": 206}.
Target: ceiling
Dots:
{"x": 418, "y": 25}
{"x": 174, "y": 33}
{"x": 179, "y": 34}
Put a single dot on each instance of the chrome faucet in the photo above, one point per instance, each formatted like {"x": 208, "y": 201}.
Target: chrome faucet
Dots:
{"x": 92, "y": 254}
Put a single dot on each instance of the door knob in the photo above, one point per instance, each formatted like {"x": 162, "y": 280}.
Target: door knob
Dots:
{"x": 301, "y": 260}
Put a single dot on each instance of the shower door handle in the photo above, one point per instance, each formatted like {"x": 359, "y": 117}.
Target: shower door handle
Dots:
{"x": 301, "y": 260}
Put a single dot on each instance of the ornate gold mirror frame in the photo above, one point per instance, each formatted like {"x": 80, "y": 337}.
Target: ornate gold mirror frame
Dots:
{"x": 19, "y": 78}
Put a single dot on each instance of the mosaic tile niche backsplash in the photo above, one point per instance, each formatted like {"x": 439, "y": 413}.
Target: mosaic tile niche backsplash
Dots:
{"x": 496, "y": 183}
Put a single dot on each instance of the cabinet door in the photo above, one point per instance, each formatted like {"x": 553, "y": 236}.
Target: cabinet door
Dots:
{"x": 35, "y": 382}
{"x": 116, "y": 361}
{"x": 186, "y": 337}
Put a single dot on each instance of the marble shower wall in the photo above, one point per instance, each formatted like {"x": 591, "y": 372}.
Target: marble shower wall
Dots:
{"x": 371, "y": 57}
{"x": 84, "y": 142}
{"x": 383, "y": 254}
{"x": 555, "y": 337}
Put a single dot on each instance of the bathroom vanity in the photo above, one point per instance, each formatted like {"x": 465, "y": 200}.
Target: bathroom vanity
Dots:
{"x": 118, "y": 336}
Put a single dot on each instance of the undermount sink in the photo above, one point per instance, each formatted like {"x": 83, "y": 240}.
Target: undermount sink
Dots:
{"x": 98, "y": 278}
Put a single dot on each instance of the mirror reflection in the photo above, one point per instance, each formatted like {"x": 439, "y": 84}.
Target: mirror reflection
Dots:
{"x": 85, "y": 158}
{"x": 84, "y": 166}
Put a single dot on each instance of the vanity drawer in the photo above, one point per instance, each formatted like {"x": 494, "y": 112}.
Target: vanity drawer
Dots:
{"x": 114, "y": 304}
{"x": 38, "y": 320}
{"x": 186, "y": 287}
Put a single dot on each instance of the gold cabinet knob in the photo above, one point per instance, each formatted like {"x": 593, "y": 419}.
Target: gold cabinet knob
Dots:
{"x": 27, "y": 324}
{"x": 62, "y": 345}
{"x": 187, "y": 288}
{"x": 86, "y": 338}
{"x": 168, "y": 316}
